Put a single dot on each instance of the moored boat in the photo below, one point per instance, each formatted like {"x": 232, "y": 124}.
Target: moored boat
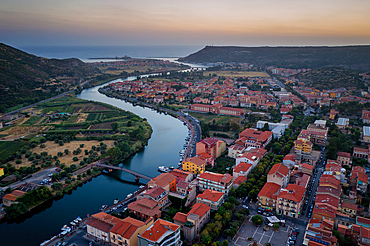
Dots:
{"x": 163, "y": 169}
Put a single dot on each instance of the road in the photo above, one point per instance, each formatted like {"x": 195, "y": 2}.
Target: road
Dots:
{"x": 36, "y": 178}
{"x": 319, "y": 169}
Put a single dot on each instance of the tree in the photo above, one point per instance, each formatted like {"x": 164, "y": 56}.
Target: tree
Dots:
{"x": 235, "y": 127}
{"x": 57, "y": 186}
{"x": 15, "y": 210}
{"x": 114, "y": 153}
{"x": 257, "y": 219}
{"x": 114, "y": 126}
{"x": 206, "y": 239}
{"x": 265, "y": 127}
{"x": 66, "y": 151}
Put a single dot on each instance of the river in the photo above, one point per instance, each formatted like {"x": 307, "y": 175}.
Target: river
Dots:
{"x": 163, "y": 148}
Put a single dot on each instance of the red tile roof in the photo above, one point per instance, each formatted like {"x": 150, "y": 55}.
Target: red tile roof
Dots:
{"x": 279, "y": 168}
{"x": 106, "y": 218}
{"x": 328, "y": 200}
{"x": 356, "y": 149}
{"x": 162, "y": 180}
{"x": 180, "y": 217}
{"x": 98, "y": 224}
{"x": 158, "y": 229}
{"x": 243, "y": 167}
{"x": 180, "y": 173}
{"x": 239, "y": 180}
{"x": 217, "y": 177}
{"x": 145, "y": 206}
{"x": 363, "y": 220}
{"x": 154, "y": 192}
{"x": 195, "y": 160}
{"x": 125, "y": 229}
{"x": 254, "y": 134}
{"x": 290, "y": 157}
{"x": 365, "y": 233}
{"x": 344, "y": 154}
{"x": 199, "y": 209}
{"x": 14, "y": 195}
{"x": 305, "y": 165}
{"x": 292, "y": 192}
{"x": 270, "y": 190}
{"x": 211, "y": 195}
{"x": 209, "y": 142}
{"x": 349, "y": 205}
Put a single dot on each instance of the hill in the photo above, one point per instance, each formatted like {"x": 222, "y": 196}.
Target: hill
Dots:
{"x": 349, "y": 57}
{"x": 331, "y": 78}
{"x": 26, "y": 78}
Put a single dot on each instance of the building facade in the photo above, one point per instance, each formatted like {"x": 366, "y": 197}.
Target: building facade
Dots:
{"x": 215, "y": 181}
{"x": 161, "y": 233}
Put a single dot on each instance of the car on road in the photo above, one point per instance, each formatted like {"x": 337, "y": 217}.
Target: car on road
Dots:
{"x": 245, "y": 207}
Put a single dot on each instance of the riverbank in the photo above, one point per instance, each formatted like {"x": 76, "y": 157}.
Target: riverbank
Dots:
{"x": 193, "y": 126}
{"x": 76, "y": 133}
{"x": 163, "y": 147}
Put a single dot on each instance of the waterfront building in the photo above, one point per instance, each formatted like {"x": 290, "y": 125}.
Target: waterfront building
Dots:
{"x": 125, "y": 232}
{"x": 160, "y": 233}
{"x": 195, "y": 165}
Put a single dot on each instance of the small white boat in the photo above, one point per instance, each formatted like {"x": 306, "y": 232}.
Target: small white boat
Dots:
{"x": 104, "y": 206}
{"x": 79, "y": 219}
{"x": 65, "y": 227}
{"x": 73, "y": 223}
{"x": 171, "y": 167}
{"x": 116, "y": 201}
{"x": 163, "y": 169}
{"x": 129, "y": 195}
{"x": 76, "y": 221}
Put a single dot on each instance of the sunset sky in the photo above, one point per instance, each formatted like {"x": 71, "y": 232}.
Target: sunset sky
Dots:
{"x": 192, "y": 22}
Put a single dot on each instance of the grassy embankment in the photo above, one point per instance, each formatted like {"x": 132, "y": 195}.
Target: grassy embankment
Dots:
{"x": 83, "y": 133}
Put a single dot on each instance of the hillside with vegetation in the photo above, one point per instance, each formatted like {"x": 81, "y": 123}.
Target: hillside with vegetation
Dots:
{"x": 350, "y": 57}
{"x": 26, "y": 78}
{"x": 330, "y": 78}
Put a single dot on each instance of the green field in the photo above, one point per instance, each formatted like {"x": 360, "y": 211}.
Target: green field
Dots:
{"x": 53, "y": 109}
{"x": 93, "y": 117}
{"x": 32, "y": 120}
{"x": 7, "y": 148}
{"x": 219, "y": 119}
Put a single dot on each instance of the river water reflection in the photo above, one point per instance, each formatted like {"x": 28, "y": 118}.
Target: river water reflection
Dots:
{"x": 163, "y": 149}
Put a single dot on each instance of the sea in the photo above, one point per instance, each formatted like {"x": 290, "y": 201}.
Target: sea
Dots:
{"x": 105, "y": 53}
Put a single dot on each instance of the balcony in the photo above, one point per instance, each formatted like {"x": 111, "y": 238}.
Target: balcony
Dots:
{"x": 189, "y": 224}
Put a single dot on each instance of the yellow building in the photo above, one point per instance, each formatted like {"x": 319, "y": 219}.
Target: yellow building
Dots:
{"x": 1, "y": 171}
{"x": 348, "y": 208}
{"x": 267, "y": 197}
{"x": 195, "y": 165}
{"x": 333, "y": 113}
{"x": 302, "y": 146}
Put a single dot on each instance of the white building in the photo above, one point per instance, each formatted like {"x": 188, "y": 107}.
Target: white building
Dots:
{"x": 161, "y": 233}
